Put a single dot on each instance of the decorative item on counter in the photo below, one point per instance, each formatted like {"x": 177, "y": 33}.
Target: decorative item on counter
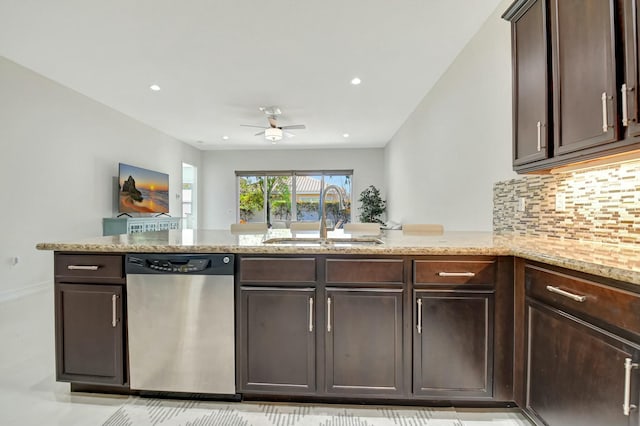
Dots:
{"x": 372, "y": 205}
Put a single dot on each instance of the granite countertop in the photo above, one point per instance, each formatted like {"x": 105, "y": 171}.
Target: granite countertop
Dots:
{"x": 616, "y": 261}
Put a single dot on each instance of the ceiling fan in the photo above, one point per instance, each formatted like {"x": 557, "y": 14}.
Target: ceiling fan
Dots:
{"x": 274, "y": 132}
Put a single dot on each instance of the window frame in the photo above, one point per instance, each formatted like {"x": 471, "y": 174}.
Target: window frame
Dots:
{"x": 293, "y": 174}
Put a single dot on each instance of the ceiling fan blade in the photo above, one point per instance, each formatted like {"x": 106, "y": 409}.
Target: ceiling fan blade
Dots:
{"x": 251, "y": 125}
{"x": 259, "y": 133}
{"x": 289, "y": 135}
{"x": 272, "y": 121}
{"x": 294, "y": 126}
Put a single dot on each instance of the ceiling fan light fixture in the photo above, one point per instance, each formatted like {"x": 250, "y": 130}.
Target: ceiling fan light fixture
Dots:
{"x": 273, "y": 134}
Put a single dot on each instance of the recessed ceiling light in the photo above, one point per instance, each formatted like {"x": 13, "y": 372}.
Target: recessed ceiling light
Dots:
{"x": 346, "y": 135}
{"x": 225, "y": 138}
{"x": 355, "y": 81}
{"x": 154, "y": 87}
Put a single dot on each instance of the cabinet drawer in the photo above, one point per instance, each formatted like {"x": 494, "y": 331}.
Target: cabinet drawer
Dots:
{"x": 88, "y": 267}
{"x": 454, "y": 271}
{"x": 615, "y": 306}
{"x": 270, "y": 270}
{"x": 364, "y": 271}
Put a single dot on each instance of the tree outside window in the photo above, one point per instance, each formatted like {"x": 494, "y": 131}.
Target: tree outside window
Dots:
{"x": 255, "y": 190}
{"x": 280, "y": 198}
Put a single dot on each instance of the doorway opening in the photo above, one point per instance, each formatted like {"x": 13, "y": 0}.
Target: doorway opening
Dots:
{"x": 189, "y": 196}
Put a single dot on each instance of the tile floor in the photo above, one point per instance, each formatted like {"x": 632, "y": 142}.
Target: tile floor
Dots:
{"x": 29, "y": 394}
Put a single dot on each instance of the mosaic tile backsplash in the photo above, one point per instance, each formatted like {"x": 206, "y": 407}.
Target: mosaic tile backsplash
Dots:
{"x": 600, "y": 204}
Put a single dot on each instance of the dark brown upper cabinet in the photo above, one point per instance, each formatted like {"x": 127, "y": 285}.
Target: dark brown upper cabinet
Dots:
{"x": 584, "y": 73}
{"x": 629, "y": 89}
{"x": 575, "y": 81}
{"x": 529, "y": 44}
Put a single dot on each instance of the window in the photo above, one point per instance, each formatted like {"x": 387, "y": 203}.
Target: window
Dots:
{"x": 279, "y": 198}
{"x": 251, "y": 199}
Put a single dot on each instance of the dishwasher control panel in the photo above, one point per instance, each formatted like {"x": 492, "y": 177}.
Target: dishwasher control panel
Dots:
{"x": 207, "y": 264}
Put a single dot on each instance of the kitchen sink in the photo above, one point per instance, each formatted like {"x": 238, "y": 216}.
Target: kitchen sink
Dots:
{"x": 323, "y": 241}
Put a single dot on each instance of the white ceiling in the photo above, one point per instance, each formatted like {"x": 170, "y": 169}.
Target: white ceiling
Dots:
{"x": 217, "y": 61}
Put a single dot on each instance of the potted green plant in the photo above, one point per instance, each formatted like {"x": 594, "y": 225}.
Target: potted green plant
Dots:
{"x": 372, "y": 205}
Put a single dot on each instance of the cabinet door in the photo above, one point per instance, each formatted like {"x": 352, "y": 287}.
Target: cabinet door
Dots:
{"x": 584, "y": 66}
{"x": 631, "y": 99}
{"x": 277, "y": 335}
{"x": 576, "y": 372}
{"x": 453, "y": 344}
{"x": 364, "y": 341}
{"x": 89, "y": 334}
{"x": 530, "y": 85}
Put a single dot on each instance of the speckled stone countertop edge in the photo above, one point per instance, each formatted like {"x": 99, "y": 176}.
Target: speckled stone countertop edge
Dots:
{"x": 612, "y": 272}
{"x": 616, "y": 262}
{"x": 285, "y": 249}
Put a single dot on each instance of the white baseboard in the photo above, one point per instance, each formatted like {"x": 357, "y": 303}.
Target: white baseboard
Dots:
{"x": 17, "y": 293}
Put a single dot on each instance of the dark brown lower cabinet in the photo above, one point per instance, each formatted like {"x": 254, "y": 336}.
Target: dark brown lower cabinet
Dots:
{"x": 89, "y": 333}
{"x": 348, "y": 335}
{"x": 576, "y": 371}
{"x": 453, "y": 344}
{"x": 278, "y": 336}
{"x": 364, "y": 344}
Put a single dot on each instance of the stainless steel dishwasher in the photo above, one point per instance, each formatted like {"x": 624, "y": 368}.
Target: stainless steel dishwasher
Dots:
{"x": 181, "y": 323}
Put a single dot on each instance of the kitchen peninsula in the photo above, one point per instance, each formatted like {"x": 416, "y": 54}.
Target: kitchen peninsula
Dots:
{"x": 463, "y": 318}
{"x": 617, "y": 261}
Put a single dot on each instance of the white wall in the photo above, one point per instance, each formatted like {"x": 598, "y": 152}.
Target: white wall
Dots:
{"x": 441, "y": 164}
{"x": 59, "y": 154}
{"x": 218, "y": 178}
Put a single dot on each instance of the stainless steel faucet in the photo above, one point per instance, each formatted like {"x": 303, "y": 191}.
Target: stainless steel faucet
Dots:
{"x": 323, "y": 213}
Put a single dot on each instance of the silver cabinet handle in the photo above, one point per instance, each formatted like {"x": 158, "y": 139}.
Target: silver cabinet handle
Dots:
{"x": 328, "y": 314}
{"x": 114, "y": 320}
{"x": 625, "y": 109}
{"x": 310, "y": 314}
{"x": 82, "y": 267}
{"x": 626, "y": 405}
{"x": 605, "y": 119}
{"x": 539, "y": 126}
{"x": 456, "y": 274}
{"x": 564, "y": 293}
{"x": 419, "y": 316}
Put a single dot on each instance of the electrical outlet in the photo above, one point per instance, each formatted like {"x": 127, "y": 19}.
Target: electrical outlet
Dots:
{"x": 560, "y": 202}
{"x": 521, "y": 204}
